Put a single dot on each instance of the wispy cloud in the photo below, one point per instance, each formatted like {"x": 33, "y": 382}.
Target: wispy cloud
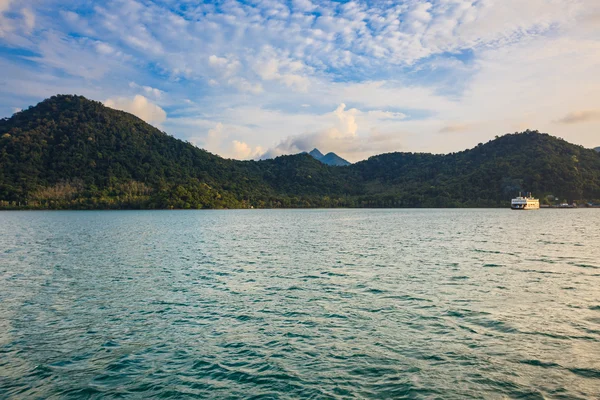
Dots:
{"x": 577, "y": 117}
{"x": 28, "y": 19}
{"x": 456, "y": 127}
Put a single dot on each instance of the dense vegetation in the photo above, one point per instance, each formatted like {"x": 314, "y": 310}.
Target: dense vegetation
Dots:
{"x": 69, "y": 152}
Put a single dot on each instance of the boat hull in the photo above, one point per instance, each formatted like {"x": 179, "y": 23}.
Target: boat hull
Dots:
{"x": 525, "y": 203}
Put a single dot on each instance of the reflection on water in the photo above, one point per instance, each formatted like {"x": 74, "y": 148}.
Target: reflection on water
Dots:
{"x": 293, "y": 304}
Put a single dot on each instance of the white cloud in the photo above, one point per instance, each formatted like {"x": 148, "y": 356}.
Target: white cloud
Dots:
{"x": 4, "y": 5}
{"x": 139, "y": 106}
{"x": 577, "y": 117}
{"x": 455, "y": 127}
{"x": 200, "y": 132}
{"x": 243, "y": 151}
{"x": 224, "y": 66}
{"x": 346, "y": 121}
{"x": 214, "y": 137}
{"x": 271, "y": 66}
{"x": 149, "y": 90}
{"x": 245, "y": 86}
{"x": 216, "y": 132}
{"x": 79, "y": 57}
{"x": 217, "y": 61}
{"x": 303, "y": 5}
{"x": 104, "y": 49}
{"x": 28, "y": 19}
{"x": 70, "y": 16}
{"x": 386, "y": 114}
{"x": 6, "y": 25}
{"x": 216, "y": 141}
{"x": 227, "y": 71}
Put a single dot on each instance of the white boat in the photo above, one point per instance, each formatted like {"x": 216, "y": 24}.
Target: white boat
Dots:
{"x": 525, "y": 203}
{"x": 566, "y": 205}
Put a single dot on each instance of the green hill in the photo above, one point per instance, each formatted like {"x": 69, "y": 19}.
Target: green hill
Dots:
{"x": 489, "y": 174}
{"x": 70, "y": 152}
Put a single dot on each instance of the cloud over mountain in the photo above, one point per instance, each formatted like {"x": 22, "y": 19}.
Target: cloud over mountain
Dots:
{"x": 339, "y": 133}
{"x": 139, "y": 106}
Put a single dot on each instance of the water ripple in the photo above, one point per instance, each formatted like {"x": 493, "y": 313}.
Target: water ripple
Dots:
{"x": 300, "y": 304}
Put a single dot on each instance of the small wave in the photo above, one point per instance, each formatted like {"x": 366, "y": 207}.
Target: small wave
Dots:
{"x": 494, "y": 325}
{"x": 295, "y": 314}
{"x": 542, "y": 260}
{"x": 550, "y": 242}
{"x": 455, "y": 314}
{"x": 468, "y": 329}
{"x": 511, "y": 389}
{"x": 407, "y": 297}
{"x": 82, "y": 393}
{"x": 586, "y": 372}
{"x": 336, "y": 316}
{"x": 539, "y": 363}
{"x": 329, "y": 273}
{"x": 537, "y": 271}
{"x": 376, "y": 291}
{"x": 585, "y": 266}
{"x": 463, "y": 313}
{"x": 41, "y": 371}
{"x": 559, "y": 336}
{"x": 310, "y": 277}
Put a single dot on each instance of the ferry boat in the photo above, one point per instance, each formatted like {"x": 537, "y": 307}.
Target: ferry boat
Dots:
{"x": 525, "y": 203}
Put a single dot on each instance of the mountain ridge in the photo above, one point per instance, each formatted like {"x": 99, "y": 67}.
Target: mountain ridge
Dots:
{"x": 68, "y": 152}
{"x": 330, "y": 158}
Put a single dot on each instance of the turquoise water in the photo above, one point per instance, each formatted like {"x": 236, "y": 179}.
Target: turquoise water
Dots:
{"x": 300, "y": 304}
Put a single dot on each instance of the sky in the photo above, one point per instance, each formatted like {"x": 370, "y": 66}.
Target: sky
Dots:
{"x": 260, "y": 78}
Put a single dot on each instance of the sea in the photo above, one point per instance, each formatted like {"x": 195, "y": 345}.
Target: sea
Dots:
{"x": 300, "y": 304}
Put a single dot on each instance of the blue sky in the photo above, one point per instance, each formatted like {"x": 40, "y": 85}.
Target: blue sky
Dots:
{"x": 258, "y": 78}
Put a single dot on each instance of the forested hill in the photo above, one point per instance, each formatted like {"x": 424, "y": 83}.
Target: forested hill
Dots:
{"x": 70, "y": 152}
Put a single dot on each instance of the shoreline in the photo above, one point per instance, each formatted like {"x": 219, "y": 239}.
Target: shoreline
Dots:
{"x": 295, "y": 208}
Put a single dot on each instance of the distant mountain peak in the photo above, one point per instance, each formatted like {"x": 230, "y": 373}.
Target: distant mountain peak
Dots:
{"x": 329, "y": 158}
{"x": 316, "y": 153}
{"x": 597, "y": 149}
